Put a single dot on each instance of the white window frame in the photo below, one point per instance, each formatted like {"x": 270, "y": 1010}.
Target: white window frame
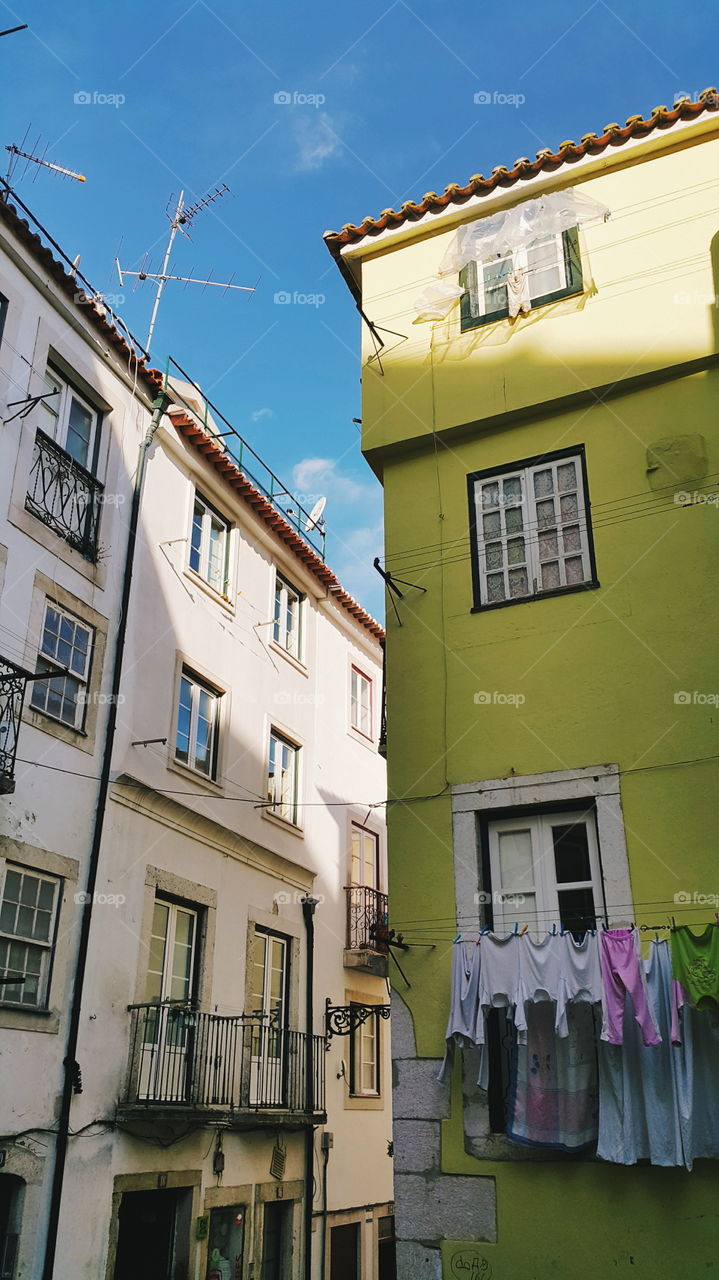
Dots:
{"x": 361, "y": 710}
{"x": 358, "y": 836}
{"x": 198, "y": 686}
{"x": 366, "y": 1039}
{"x": 520, "y": 260}
{"x": 288, "y": 599}
{"x": 174, "y": 909}
{"x": 284, "y": 796}
{"x": 209, "y": 518}
{"x": 516, "y": 511}
{"x": 46, "y": 946}
{"x": 47, "y": 661}
{"x": 56, "y": 418}
{"x": 510, "y": 905}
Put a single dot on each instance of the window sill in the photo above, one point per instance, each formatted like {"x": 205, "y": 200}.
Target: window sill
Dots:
{"x": 79, "y": 738}
{"x": 540, "y": 595}
{"x": 364, "y": 1102}
{"x": 201, "y": 779}
{"x": 499, "y": 317}
{"x": 225, "y": 602}
{"x": 15, "y": 1017}
{"x": 289, "y": 657}
{"x": 358, "y": 736}
{"x": 292, "y": 828}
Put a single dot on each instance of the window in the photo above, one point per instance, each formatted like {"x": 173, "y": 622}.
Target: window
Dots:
{"x": 226, "y": 1242}
{"x": 287, "y": 629}
{"x": 28, "y": 915}
{"x": 548, "y": 270}
{"x": 364, "y": 1064}
{"x": 210, "y": 546}
{"x": 268, "y": 1007}
{"x": 283, "y": 777}
{"x": 544, "y": 869}
{"x": 66, "y": 648}
{"x": 69, "y": 419}
{"x": 198, "y": 719}
{"x": 361, "y": 703}
{"x": 172, "y": 961}
{"x": 365, "y": 857}
{"x": 530, "y": 529}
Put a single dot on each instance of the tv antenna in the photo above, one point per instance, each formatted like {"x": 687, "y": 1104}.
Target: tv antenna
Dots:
{"x": 30, "y": 157}
{"x": 181, "y": 218}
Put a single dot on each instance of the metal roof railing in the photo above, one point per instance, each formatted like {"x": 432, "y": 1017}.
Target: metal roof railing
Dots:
{"x": 244, "y": 456}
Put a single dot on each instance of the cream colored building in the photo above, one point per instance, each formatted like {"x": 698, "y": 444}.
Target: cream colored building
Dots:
{"x": 242, "y": 834}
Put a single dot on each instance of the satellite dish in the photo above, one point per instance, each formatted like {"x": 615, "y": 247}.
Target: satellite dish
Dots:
{"x": 315, "y": 514}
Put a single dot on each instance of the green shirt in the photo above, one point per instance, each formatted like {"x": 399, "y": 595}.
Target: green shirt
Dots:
{"x": 695, "y": 962}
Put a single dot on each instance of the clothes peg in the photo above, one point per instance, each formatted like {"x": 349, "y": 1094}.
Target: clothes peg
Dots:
{"x": 674, "y": 923}
{"x": 554, "y": 930}
{"x": 523, "y": 930}
{"x": 716, "y": 918}
{"x": 457, "y": 939}
{"x": 516, "y": 928}
{"x": 487, "y": 928}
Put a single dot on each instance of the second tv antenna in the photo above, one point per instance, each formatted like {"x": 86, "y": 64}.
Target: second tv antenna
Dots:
{"x": 181, "y": 218}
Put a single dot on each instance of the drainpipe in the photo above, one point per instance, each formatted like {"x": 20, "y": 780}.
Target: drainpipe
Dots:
{"x": 308, "y": 911}
{"x": 71, "y": 1070}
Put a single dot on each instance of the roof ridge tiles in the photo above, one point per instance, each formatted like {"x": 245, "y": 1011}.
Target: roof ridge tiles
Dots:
{"x": 547, "y": 160}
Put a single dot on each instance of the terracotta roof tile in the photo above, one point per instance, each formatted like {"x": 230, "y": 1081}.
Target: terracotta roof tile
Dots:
{"x": 547, "y": 161}
{"x": 231, "y": 473}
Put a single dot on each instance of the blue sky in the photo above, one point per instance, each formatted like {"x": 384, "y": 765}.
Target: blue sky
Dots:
{"x": 382, "y": 109}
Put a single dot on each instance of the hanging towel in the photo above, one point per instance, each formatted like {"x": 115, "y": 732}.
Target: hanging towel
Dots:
{"x": 639, "y": 1084}
{"x": 553, "y": 1101}
{"x": 539, "y": 976}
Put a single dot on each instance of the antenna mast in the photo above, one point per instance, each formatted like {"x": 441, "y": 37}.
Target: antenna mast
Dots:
{"x": 181, "y": 218}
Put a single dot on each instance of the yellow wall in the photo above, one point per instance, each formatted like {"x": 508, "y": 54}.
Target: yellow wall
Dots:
{"x": 598, "y": 669}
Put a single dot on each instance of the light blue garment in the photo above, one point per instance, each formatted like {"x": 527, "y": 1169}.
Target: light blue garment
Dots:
{"x": 464, "y": 1009}
{"x": 659, "y": 1102}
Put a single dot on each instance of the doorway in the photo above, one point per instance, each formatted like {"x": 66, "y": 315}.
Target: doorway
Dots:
{"x": 275, "y": 1240}
{"x": 344, "y": 1252}
{"x": 153, "y": 1241}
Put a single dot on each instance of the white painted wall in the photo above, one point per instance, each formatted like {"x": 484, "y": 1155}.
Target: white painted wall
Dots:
{"x": 247, "y": 865}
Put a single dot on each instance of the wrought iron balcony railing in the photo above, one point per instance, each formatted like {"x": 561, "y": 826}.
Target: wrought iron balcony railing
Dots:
{"x": 367, "y": 928}
{"x": 64, "y": 495}
{"x": 13, "y": 682}
{"x": 180, "y": 1056}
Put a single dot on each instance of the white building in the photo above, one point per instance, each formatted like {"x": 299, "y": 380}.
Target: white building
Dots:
{"x": 244, "y": 785}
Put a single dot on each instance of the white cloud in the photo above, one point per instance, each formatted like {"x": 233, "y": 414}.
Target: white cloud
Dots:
{"x": 315, "y": 476}
{"x": 316, "y": 139}
{"x": 259, "y": 414}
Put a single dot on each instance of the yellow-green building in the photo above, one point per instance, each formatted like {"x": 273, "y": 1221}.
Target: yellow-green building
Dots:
{"x": 551, "y": 484}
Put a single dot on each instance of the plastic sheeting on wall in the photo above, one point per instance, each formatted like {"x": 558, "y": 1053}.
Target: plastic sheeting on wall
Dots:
{"x": 500, "y": 235}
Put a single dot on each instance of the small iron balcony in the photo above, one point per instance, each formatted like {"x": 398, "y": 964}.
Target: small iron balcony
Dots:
{"x": 13, "y": 682}
{"x": 64, "y": 495}
{"x": 367, "y": 930}
{"x": 181, "y": 1057}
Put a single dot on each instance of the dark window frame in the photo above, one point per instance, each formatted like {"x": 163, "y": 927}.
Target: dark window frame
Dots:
{"x": 575, "y": 285}
{"x": 574, "y": 451}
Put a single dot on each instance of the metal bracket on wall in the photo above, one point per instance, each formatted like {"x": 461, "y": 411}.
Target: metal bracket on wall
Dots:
{"x": 344, "y": 1019}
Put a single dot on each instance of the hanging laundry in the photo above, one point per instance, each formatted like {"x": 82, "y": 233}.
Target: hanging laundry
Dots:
{"x": 554, "y": 1095}
{"x": 518, "y": 298}
{"x": 660, "y": 1103}
{"x": 622, "y": 974}
{"x": 464, "y": 1003}
{"x": 580, "y": 977}
{"x": 499, "y": 977}
{"x": 695, "y": 960}
{"x": 539, "y": 976}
